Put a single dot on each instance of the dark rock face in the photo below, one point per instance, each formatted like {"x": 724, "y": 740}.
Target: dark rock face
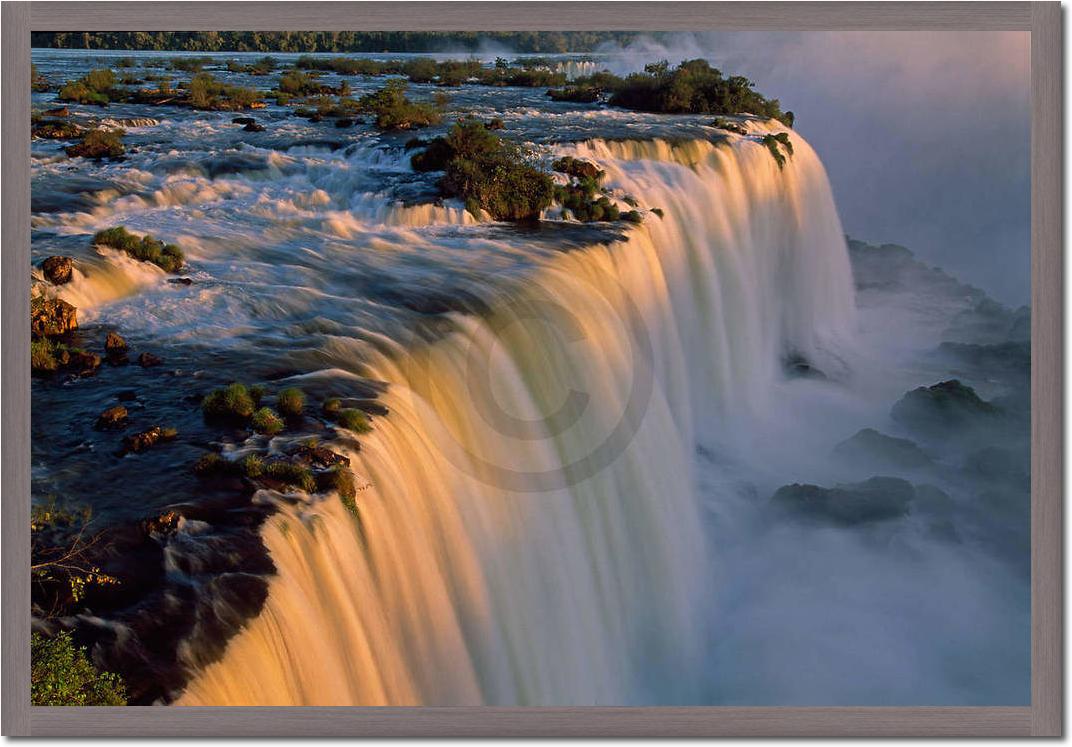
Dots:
{"x": 318, "y": 456}
{"x": 243, "y": 121}
{"x": 113, "y": 417}
{"x": 870, "y": 447}
{"x": 254, "y": 127}
{"x": 344, "y": 122}
{"x": 145, "y": 440}
{"x": 114, "y": 343}
{"x": 945, "y": 406}
{"x": 874, "y": 500}
{"x": 148, "y": 360}
{"x": 58, "y": 270}
{"x": 80, "y": 363}
{"x": 51, "y": 316}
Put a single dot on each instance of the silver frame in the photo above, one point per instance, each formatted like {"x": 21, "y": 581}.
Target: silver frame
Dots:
{"x": 1044, "y": 717}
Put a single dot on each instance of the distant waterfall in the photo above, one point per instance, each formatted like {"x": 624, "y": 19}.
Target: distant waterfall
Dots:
{"x": 531, "y": 533}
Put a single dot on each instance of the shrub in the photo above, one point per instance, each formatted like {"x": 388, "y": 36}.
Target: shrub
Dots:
{"x": 93, "y": 88}
{"x": 632, "y": 216}
{"x": 575, "y": 94}
{"x": 487, "y": 172}
{"x": 205, "y": 92}
{"x": 62, "y": 675}
{"x": 393, "y": 111}
{"x": 420, "y": 70}
{"x": 288, "y": 473}
{"x": 98, "y": 144}
{"x": 772, "y": 143}
{"x": 298, "y": 83}
{"x": 354, "y": 420}
{"x": 266, "y": 421}
{"x": 230, "y": 402}
{"x": 291, "y": 402}
{"x": 168, "y": 257}
{"x": 253, "y": 466}
{"x": 340, "y": 479}
{"x": 43, "y": 356}
{"x": 189, "y": 64}
{"x": 331, "y": 406}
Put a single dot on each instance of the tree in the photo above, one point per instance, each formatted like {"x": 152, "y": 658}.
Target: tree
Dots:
{"x": 62, "y": 675}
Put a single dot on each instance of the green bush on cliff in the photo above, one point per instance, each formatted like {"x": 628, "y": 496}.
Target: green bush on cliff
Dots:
{"x": 772, "y": 143}
{"x": 393, "y": 111}
{"x": 168, "y": 257}
{"x": 487, "y": 172}
{"x": 62, "y": 675}
{"x": 93, "y": 88}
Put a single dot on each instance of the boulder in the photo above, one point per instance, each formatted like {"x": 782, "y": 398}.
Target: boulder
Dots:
{"x": 317, "y": 456}
{"x": 254, "y": 127}
{"x": 874, "y": 500}
{"x": 113, "y": 417}
{"x": 80, "y": 362}
{"x": 163, "y": 525}
{"x": 58, "y": 270}
{"x": 147, "y": 360}
{"x": 344, "y": 122}
{"x": 145, "y": 440}
{"x": 869, "y": 447}
{"x": 52, "y": 316}
{"x": 243, "y": 121}
{"x": 945, "y": 406}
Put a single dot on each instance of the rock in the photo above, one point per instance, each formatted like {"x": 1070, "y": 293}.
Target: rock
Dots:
{"x": 147, "y": 360}
{"x": 344, "y": 122}
{"x": 798, "y": 367}
{"x": 52, "y": 316}
{"x": 243, "y": 121}
{"x": 115, "y": 343}
{"x": 872, "y": 448}
{"x": 126, "y": 395}
{"x": 62, "y": 111}
{"x": 113, "y": 417}
{"x": 495, "y": 123}
{"x": 874, "y": 500}
{"x": 57, "y": 130}
{"x": 181, "y": 281}
{"x": 79, "y": 362}
{"x": 163, "y": 525}
{"x": 945, "y": 406}
{"x": 317, "y": 456}
{"x": 58, "y": 270}
{"x": 145, "y": 440}
{"x": 577, "y": 168}
{"x": 254, "y": 127}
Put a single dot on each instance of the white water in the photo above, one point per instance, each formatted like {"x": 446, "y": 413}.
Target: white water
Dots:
{"x": 519, "y": 544}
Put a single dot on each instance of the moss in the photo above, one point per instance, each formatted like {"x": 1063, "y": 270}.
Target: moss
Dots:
{"x": 230, "y": 402}
{"x": 167, "y": 257}
{"x": 62, "y": 675}
{"x": 331, "y": 406}
{"x": 297, "y": 475}
{"x": 291, "y": 402}
{"x": 266, "y": 421}
{"x": 98, "y": 144}
{"x": 353, "y": 419}
{"x": 252, "y": 466}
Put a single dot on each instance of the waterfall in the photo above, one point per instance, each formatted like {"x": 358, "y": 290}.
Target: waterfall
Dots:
{"x": 530, "y": 530}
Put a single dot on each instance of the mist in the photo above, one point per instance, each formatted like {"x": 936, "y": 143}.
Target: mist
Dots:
{"x": 925, "y": 135}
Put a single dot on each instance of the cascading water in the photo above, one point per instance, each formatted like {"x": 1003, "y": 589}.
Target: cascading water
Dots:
{"x": 530, "y": 531}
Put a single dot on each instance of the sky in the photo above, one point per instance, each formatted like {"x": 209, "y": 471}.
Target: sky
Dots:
{"x": 925, "y": 135}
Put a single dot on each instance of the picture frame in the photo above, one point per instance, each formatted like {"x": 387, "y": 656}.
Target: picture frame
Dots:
{"x": 1043, "y": 717}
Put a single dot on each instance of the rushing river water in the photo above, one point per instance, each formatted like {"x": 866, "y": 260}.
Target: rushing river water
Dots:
{"x": 565, "y": 497}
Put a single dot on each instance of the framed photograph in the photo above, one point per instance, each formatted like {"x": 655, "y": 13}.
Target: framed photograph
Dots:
{"x": 532, "y": 369}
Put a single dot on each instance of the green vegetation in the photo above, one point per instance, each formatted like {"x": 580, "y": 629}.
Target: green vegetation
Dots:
{"x": 525, "y": 42}
{"x": 189, "y": 64}
{"x": 354, "y": 420}
{"x": 297, "y": 83}
{"x": 772, "y": 143}
{"x": 252, "y": 465}
{"x": 99, "y": 144}
{"x": 579, "y": 196}
{"x": 487, "y": 172}
{"x": 575, "y": 94}
{"x": 168, "y": 257}
{"x": 232, "y": 402}
{"x": 331, "y": 406}
{"x": 62, "y": 675}
{"x": 291, "y": 402}
{"x": 263, "y": 66}
{"x": 207, "y": 93}
{"x": 62, "y": 567}
{"x": 94, "y": 88}
{"x": 38, "y": 82}
{"x": 393, "y": 111}
{"x": 266, "y": 421}
{"x": 288, "y": 473}
{"x": 729, "y": 125}
{"x": 43, "y": 356}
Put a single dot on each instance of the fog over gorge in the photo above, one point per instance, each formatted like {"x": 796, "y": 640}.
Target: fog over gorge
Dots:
{"x": 925, "y": 136}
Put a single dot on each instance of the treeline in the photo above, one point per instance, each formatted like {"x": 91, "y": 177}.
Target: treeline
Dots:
{"x": 528, "y": 42}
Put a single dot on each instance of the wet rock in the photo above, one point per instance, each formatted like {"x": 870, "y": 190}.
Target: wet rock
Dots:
{"x": 62, "y": 111}
{"x": 243, "y": 121}
{"x": 181, "y": 281}
{"x": 115, "y": 343}
{"x": 948, "y": 405}
{"x": 112, "y": 418}
{"x": 344, "y": 122}
{"x": 148, "y": 360}
{"x": 80, "y": 362}
{"x": 145, "y": 440}
{"x": 52, "y": 316}
{"x": 874, "y": 500}
{"x": 314, "y": 455}
{"x": 163, "y": 525}
{"x": 577, "y": 167}
{"x": 58, "y": 270}
{"x": 869, "y": 447}
{"x": 799, "y": 367}
{"x": 56, "y": 130}
{"x": 126, "y": 395}
{"x": 254, "y": 127}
